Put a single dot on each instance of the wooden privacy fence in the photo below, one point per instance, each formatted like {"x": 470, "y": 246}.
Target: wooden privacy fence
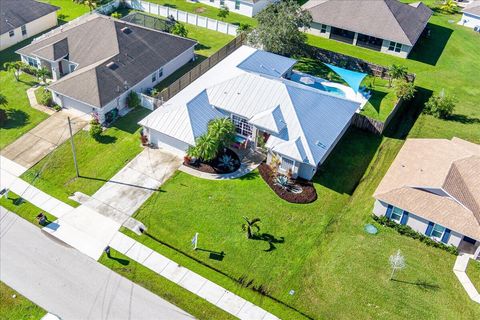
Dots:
{"x": 372, "y": 125}
{"x": 200, "y": 69}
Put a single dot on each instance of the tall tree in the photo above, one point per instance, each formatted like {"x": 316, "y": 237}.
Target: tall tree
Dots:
{"x": 15, "y": 67}
{"x": 279, "y": 28}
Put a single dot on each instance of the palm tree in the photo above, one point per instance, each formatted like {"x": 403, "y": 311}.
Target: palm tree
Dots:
{"x": 449, "y": 6}
{"x": 92, "y": 4}
{"x": 14, "y": 66}
{"x": 42, "y": 74}
{"x": 3, "y": 100}
{"x": 222, "y": 130}
{"x": 206, "y": 148}
{"x": 396, "y": 72}
{"x": 249, "y": 225}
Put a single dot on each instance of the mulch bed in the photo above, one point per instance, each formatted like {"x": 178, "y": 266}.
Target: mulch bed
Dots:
{"x": 308, "y": 195}
{"x": 212, "y": 166}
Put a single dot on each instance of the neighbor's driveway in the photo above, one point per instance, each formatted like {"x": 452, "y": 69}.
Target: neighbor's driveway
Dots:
{"x": 67, "y": 283}
{"x": 37, "y": 143}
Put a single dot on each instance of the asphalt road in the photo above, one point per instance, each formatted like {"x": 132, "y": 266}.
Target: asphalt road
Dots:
{"x": 69, "y": 284}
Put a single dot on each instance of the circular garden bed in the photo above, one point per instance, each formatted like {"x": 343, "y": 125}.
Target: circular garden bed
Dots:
{"x": 227, "y": 161}
{"x": 301, "y": 191}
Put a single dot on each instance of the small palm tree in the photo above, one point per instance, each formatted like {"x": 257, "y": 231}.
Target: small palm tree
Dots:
{"x": 449, "y": 6}
{"x": 206, "y": 147}
{"x": 15, "y": 67}
{"x": 42, "y": 74}
{"x": 250, "y": 225}
{"x": 396, "y": 72}
{"x": 92, "y": 4}
{"x": 223, "y": 130}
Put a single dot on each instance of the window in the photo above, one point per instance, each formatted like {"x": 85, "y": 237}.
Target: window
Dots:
{"x": 24, "y": 30}
{"x": 160, "y": 73}
{"x": 32, "y": 62}
{"x": 242, "y": 127}
{"x": 323, "y": 28}
{"x": 71, "y": 67}
{"x": 11, "y": 33}
{"x": 237, "y": 4}
{"x": 397, "y": 214}
{"x": 437, "y": 231}
{"x": 222, "y": 2}
{"x": 287, "y": 164}
{"x": 395, "y": 46}
{"x": 154, "y": 77}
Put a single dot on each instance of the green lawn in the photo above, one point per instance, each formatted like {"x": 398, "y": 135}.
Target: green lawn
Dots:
{"x": 24, "y": 209}
{"x": 98, "y": 160}
{"x": 18, "y": 307}
{"x": 196, "y": 306}
{"x": 473, "y": 272}
{"x": 69, "y": 9}
{"x": 205, "y": 10}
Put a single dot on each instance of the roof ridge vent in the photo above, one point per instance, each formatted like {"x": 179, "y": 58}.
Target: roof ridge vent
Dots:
{"x": 319, "y": 144}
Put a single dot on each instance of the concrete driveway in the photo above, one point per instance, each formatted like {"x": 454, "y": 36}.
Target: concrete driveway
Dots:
{"x": 69, "y": 284}
{"x": 37, "y": 143}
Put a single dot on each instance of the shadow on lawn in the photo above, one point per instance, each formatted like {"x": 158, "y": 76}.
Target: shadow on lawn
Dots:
{"x": 422, "y": 284}
{"x": 463, "y": 119}
{"x": 15, "y": 119}
{"x": 119, "y": 182}
{"x": 270, "y": 239}
{"x": 429, "y": 49}
{"x": 376, "y": 99}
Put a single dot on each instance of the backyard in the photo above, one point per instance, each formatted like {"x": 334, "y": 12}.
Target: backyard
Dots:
{"x": 17, "y": 307}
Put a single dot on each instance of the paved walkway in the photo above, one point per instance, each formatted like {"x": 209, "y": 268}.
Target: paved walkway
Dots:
{"x": 34, "y": 103}
{"x": 459, "y": 269}
{"x": 189, "y": 280}
{"x": 65, "y": 282}
{"x": 249, "y": 163}
{"x": 37, "y": 143}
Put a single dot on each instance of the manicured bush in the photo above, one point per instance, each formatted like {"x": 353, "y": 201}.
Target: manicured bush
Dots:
{"x": 133, "y": 100}
{"x": 95, "y": 129}
{"x": 404, "y": 90}
{"x": 409, "y": 232}
{"x": 179, "y": 30}
{"x": 45, "y": 97}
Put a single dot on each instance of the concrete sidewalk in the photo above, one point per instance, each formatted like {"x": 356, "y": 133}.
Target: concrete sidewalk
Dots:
{"x": 37, "y": 143}
{"x": 189, "y": 280}
{"x": 66, "y": 283}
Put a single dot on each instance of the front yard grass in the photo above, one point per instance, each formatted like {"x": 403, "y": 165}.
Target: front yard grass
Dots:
{"x": 473, "y": 272}
{"x": 24, "y": 209}
{"x": 98, "y": 161}
{"x": 18, "y": 307}
{"x": 191, "y": 303}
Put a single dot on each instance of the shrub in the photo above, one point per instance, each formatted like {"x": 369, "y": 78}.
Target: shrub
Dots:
{"x": 223, "y": 12}
{"x": 116, "y": 15}
{"x": 440, "y": 106}
{"x": 45, "y": 97}
{"x": 409, "y": 232}
{"x": 404, "y": 90}
{"x": 179, "y": 30}
{"x": 95, "y": 129}
{"x": 133, "y": 100}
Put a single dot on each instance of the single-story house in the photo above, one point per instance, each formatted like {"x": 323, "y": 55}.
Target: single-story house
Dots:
{"x": 21, "y": 19}
{"x": 97, "y": 61}
{"x": 433, "y": 186}
{"x": 387, "y": 26}
{"x": 247, "y": 8}
{"x": 471, "y": 16}
{"x": 298, "y": 123}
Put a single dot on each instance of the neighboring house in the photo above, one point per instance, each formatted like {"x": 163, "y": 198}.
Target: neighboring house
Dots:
{"x": 433, "y": 186}
{"x": 98, "y": 61}
{"x": 21, "y": 19}
{"x": 471, "y": 16}
{"x": 387, "y": 26}
{"x": 300, "y": 124}
{"x": 245, "y": 7}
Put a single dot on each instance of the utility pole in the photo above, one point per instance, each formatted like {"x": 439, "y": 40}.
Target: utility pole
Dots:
{"x": 73, "y": 147}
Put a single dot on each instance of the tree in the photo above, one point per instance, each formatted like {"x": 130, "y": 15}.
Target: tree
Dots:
{"x": 440, "y": 106}
{"x": 42, "y": 74}
{"x": 133, "y": 101}
{"x": 244, "y": 28}
{"x": 15, "y": 67}
{"x": 116, "y": 15}
{"x": 449, "y": 6}
{"x": 396, "y": 72}
{"x": 179, "y": 30}
{"x": 223, "y": 12}
{"x": 404, "y": 90}
{"x": 222, "y": 130}
{"x": 250, "y": 225}
{"x": 279, "y": 28}
{"x": 91, "y": 4}
{"x": 397, "y": 262}
{"x": 95, "y": 129}
{"x": 206, "y": 148}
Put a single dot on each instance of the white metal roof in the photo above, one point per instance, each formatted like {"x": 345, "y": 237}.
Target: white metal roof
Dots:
{"x": 304, "y": 122}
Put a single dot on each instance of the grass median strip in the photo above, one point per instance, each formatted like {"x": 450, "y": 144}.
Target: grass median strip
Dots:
{"x": 15, "y": 306}
{"x": 24, "y": 209}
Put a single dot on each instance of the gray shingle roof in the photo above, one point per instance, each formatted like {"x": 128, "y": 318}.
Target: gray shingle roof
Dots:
{"x": 98, "y": 41}
{"x": 16, "y": 13}
{"x": 384, "y": 19}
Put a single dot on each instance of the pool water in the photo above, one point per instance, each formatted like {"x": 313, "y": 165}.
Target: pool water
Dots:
{"x": 317, "y": 85}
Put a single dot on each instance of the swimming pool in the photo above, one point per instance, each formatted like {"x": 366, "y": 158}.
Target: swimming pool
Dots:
{"x": 316, "y": 83}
